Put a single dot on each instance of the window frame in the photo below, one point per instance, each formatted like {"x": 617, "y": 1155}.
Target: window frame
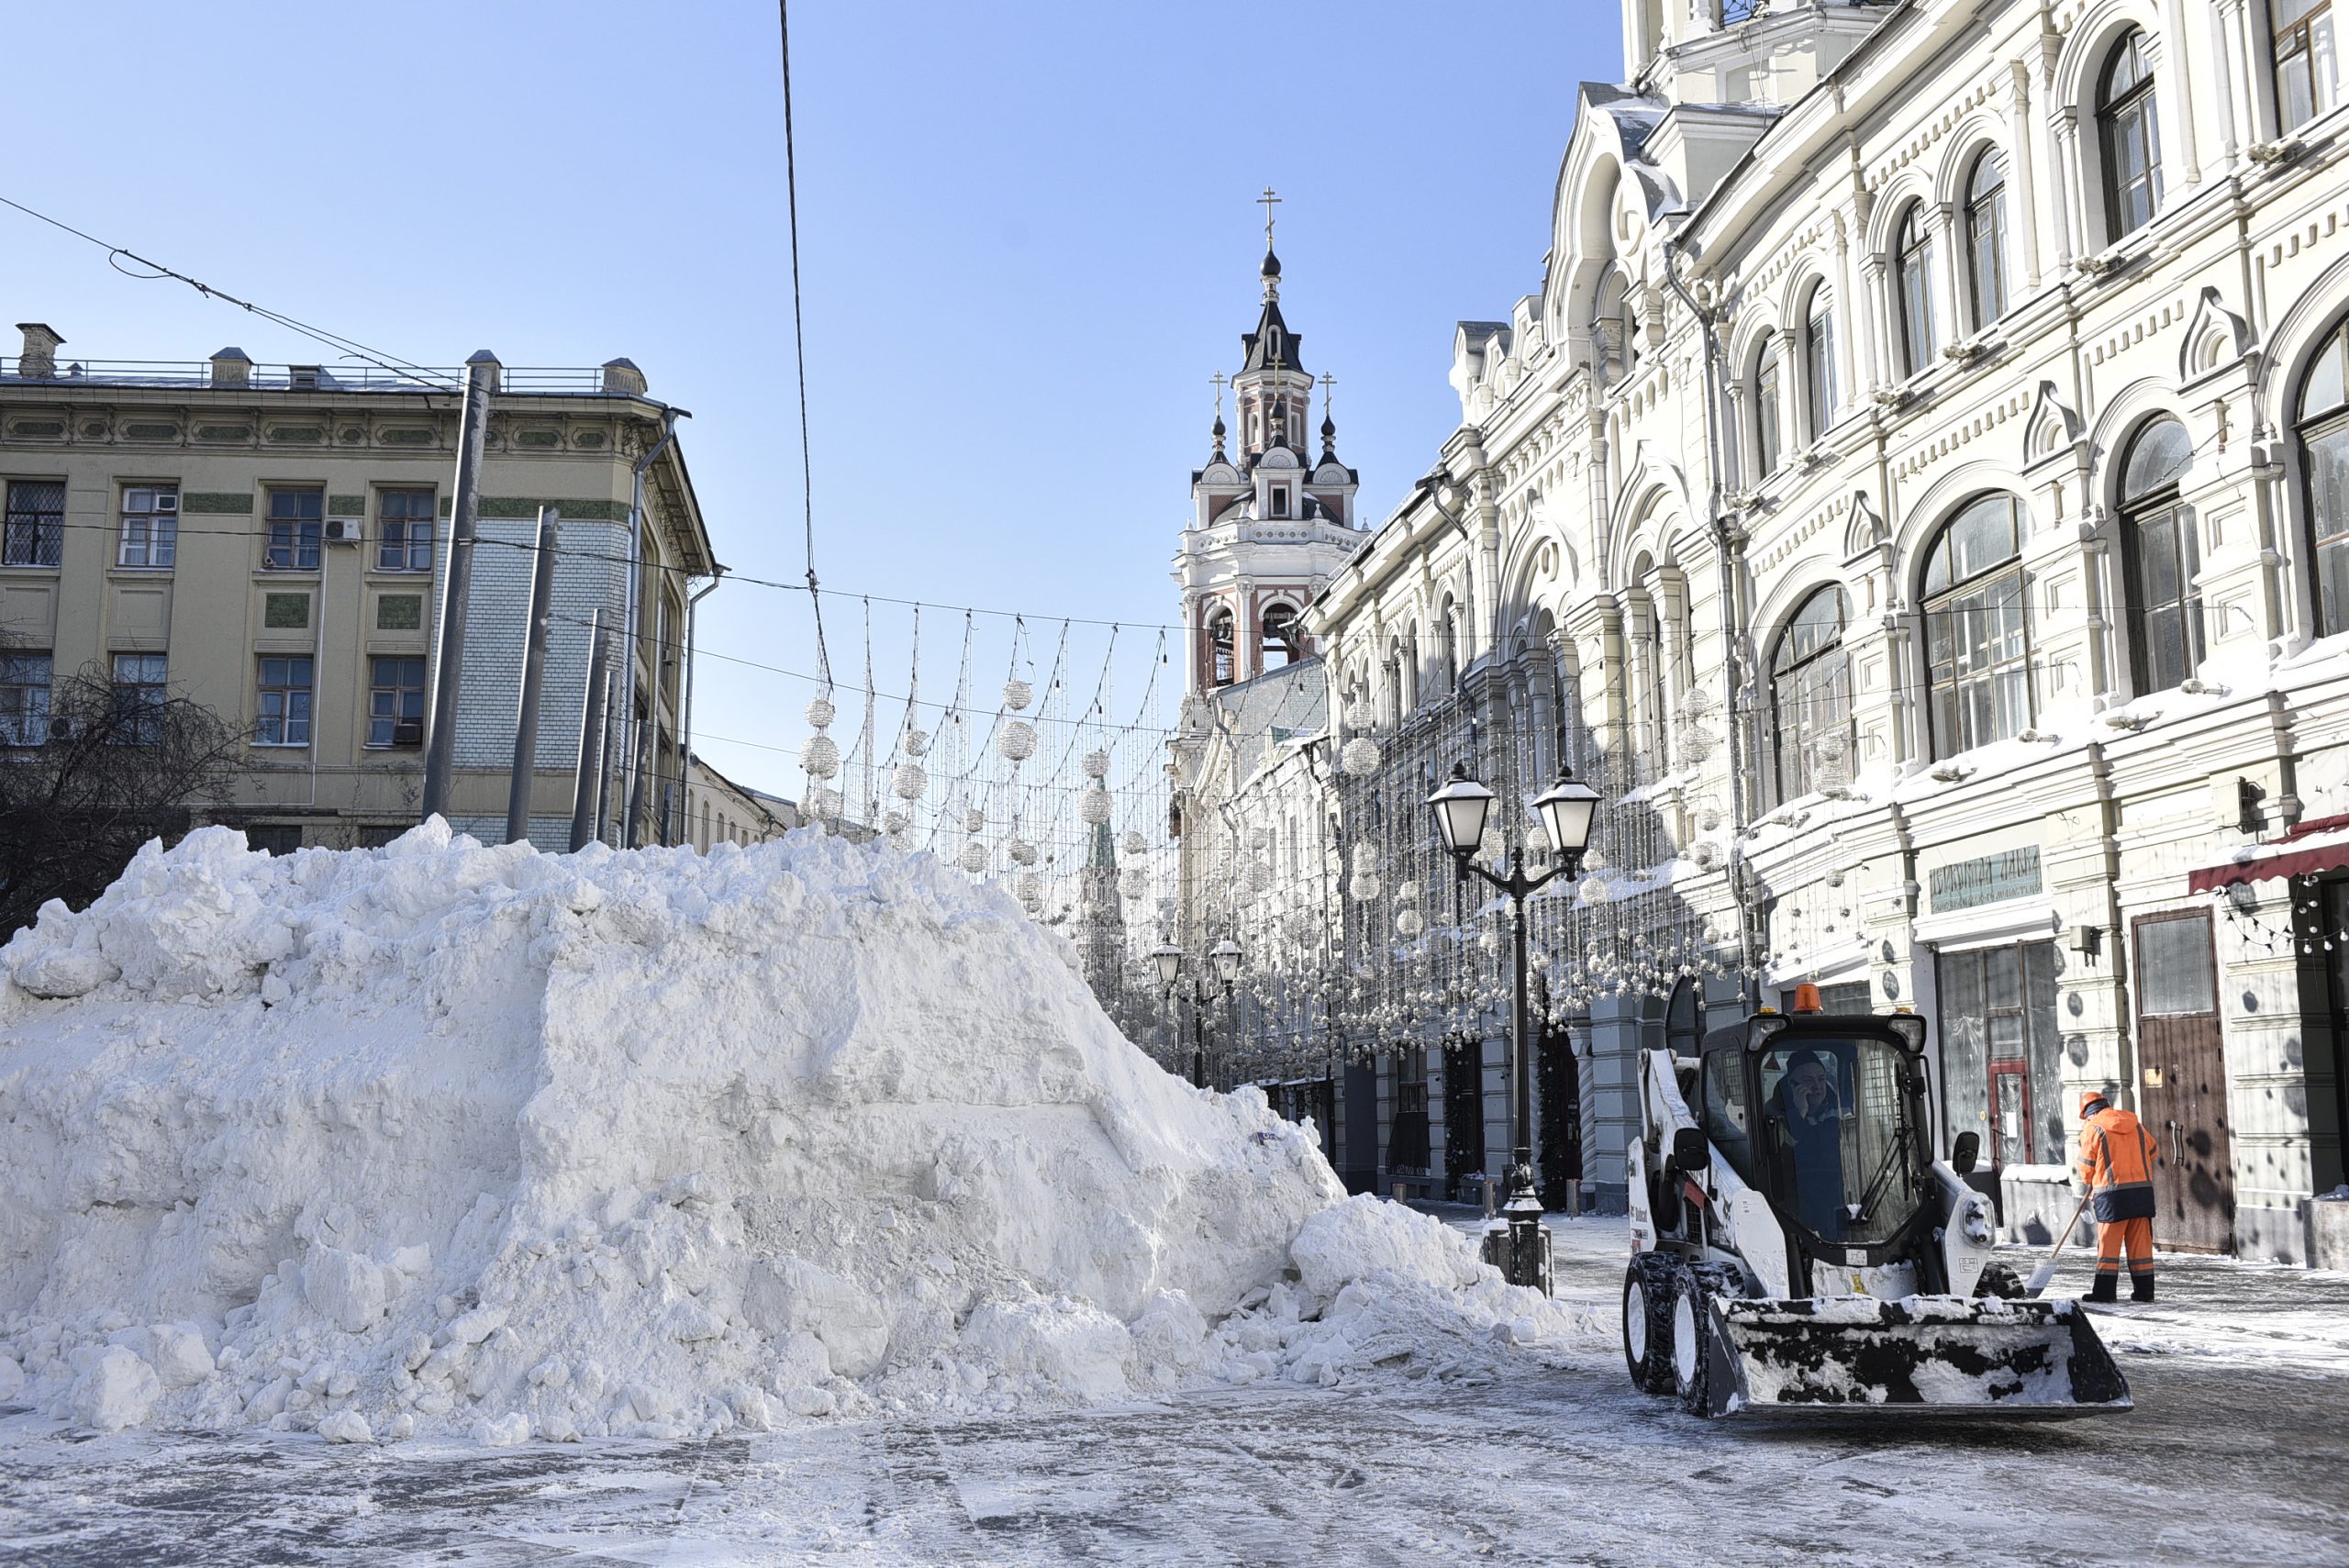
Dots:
{"x": 294, "y": 542}
{"x": 2300, "y": 37}
{"x": 1943, "y": 601}
{"x": 1795, "y": 675}
{"x": 159, "y": 528}
{"x": 2160, "y": 503}
{"x": 20, "y": 716}
{"x": 2133, "y": 112}
{"x": 140, "y": 699}
{"x": 1912, "y": 283}
{"x": 2330, "y": 423}
{"x": 385, "y": 701}
{"x": 1821, "y": 394}
{"x": 32, "y": 537}
{"x": 1769, "y": 445}
{"x": 290, "y": 696}
{"x": 407, "y": 549}
{"x": 1985, "y": 230}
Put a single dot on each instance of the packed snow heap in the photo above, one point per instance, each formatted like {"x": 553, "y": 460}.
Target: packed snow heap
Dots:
{"x": 448, "y": 1139}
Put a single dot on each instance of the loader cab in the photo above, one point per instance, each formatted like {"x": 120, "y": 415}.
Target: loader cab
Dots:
{"x": 1824, "y": 1115}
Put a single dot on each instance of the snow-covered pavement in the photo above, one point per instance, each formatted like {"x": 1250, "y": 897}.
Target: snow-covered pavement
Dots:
{"x": 2235, "y": 1454}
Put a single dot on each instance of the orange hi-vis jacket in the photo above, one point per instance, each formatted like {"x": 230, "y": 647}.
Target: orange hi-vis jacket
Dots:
{"x": 2117, "y": 1164}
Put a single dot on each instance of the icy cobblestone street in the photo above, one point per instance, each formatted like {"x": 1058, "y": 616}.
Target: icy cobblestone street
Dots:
{"x": 2233, "y": 1456}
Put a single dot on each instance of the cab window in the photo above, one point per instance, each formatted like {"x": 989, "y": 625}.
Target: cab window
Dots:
{"x": 1726, "y": 1117}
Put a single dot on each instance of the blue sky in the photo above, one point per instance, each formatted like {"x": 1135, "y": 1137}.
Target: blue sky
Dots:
{"x": 1027, "y": 232}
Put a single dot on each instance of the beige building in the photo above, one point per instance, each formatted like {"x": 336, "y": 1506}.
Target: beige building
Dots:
{"x": 719, "y": 811}
{"x": 269, "y": 541}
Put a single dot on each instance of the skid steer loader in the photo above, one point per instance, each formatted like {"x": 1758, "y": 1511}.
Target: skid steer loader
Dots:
{"x": 1797, "y": 1249}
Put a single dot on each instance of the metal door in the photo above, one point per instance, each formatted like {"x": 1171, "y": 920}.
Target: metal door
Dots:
{"x": 2182, "y": 1082}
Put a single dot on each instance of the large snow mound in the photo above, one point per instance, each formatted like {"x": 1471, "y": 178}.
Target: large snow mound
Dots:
{"x": 441, "y": 1137}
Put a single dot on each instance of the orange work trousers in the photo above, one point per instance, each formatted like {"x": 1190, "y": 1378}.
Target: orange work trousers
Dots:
{"x": 2113, "y": 1237}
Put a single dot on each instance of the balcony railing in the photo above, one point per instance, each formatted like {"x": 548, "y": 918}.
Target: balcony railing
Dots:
{"x": 201, "y": 375}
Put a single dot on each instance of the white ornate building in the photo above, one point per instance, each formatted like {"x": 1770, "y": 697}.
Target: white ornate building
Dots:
{"x": 1918, "y": 488}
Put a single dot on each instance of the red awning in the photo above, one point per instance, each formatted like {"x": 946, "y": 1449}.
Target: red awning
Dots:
{"x": 2321, "y": 844}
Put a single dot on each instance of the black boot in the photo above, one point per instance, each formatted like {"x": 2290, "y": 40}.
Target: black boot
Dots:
{"x": 2142, "y": 1288}
{"x": 2105, "y": 1288}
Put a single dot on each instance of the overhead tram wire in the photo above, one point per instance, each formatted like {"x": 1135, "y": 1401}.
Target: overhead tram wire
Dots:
{"x": 799, "y": 346}
{"x": 350, "y": 346}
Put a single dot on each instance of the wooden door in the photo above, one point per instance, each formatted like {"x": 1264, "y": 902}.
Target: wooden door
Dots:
{"x": 2182, "y": 1082}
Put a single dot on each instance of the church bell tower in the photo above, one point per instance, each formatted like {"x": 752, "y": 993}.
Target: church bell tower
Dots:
{"x": 1269, "y": 523}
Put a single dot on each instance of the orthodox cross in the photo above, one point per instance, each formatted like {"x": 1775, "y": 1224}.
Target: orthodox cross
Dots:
{"x": 1268, "y": 201}
{"x": 1218, "y": 380}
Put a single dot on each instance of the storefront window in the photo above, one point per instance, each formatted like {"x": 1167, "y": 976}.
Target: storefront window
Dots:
{"x": 2002, "y": 1076}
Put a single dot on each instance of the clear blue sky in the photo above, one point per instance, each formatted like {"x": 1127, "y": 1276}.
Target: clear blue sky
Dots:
{"x": 1027, "y": 233}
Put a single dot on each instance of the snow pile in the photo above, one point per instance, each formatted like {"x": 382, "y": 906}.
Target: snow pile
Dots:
{"x": 442, "y": 1138}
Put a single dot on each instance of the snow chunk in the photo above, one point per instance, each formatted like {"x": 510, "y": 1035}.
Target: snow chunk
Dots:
{"x": 118, "y": 1391}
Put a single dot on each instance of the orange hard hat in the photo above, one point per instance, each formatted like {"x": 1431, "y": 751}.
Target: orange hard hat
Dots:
{"x": 2090, "y": 1101}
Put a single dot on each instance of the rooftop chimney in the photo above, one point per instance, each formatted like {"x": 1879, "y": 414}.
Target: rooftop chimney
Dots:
{"x": 621, "y": 375}
{"x": 39, "y": 359}
{"x": 232, "y": 368}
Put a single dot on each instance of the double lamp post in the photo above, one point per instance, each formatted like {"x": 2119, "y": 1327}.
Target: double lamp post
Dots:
{"x": 1515, "y": 1243}
{"x": 1169, "y": 959}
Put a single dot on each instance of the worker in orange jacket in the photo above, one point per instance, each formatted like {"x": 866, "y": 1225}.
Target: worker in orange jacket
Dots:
{"x": 2117, "y": 1168}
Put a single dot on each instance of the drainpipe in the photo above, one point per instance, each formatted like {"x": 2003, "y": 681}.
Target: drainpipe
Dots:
{"x": 630, "y": 786}
{"x": 685, "y": 740}
{"x": 1732, "y": 616}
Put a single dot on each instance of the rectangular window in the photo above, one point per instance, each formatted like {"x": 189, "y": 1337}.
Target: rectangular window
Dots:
{"x": 2174, "y": 967}
{"x": 24, "y": 699}
{"x": 1818, "y": 356}
{"x": 399, "y": 612}
{"x": 2307, "y": 75}
{"x": 396, "y": 702}
{"x": 1280, "y": 500}
{"x": 1981, "y": 666}
{"x": 33, "y": 531}
{"x": 295, "y": 517}
{"x": 140, "y": 687}
{"x": 2001, "y": 1054}
{"x": 150, "y": 526}
{"x": 284, "y": 710}
{"x": 273, "y": 840}
{"x": 376, "y": 834}
{"x": 404, "y": 530}
{"x": 286, "y": 611}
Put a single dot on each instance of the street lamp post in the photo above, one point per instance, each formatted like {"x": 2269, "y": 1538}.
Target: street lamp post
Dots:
{"x": 1565, "y": 808}
{"x": 1169, "y": 959}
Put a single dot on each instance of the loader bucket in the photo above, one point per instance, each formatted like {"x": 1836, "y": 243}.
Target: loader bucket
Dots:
{"x": 1922, "y": 1355}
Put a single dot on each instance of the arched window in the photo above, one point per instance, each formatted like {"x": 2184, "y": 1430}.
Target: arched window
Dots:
{"x": 2308, "y": 72}
{"x": 1985, "y": 238}
{"x": 2126, "y": 127}
{"x": 1610, "y": 323}
{"x": 1913, "y": 273}
{"x": 1448, "y": 649}
{"x": 1819, "y": 360}
{"x": 1765, "y": 408}
{"x": 1811, "y": 697}
{"x": 2165, "y": 606}
{"x": 1223, "y": 671}
{"x": 1279, "y": 640}
{"x": 1977, "y": 635}
{"x": 2323, "y": 428}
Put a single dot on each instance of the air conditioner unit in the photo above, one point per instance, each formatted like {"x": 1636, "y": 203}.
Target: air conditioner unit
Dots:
{"x": 408, "y": 732}
{"x": 345, "y": 530}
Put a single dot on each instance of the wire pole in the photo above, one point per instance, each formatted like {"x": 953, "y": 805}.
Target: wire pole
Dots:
{"x": 534, "y": 664}
{"x": 585, "y": 791}
{"x": 447, "y": 667}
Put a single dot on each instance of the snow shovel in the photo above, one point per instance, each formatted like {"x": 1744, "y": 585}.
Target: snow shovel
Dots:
{"x": 2045, "y": 1271}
